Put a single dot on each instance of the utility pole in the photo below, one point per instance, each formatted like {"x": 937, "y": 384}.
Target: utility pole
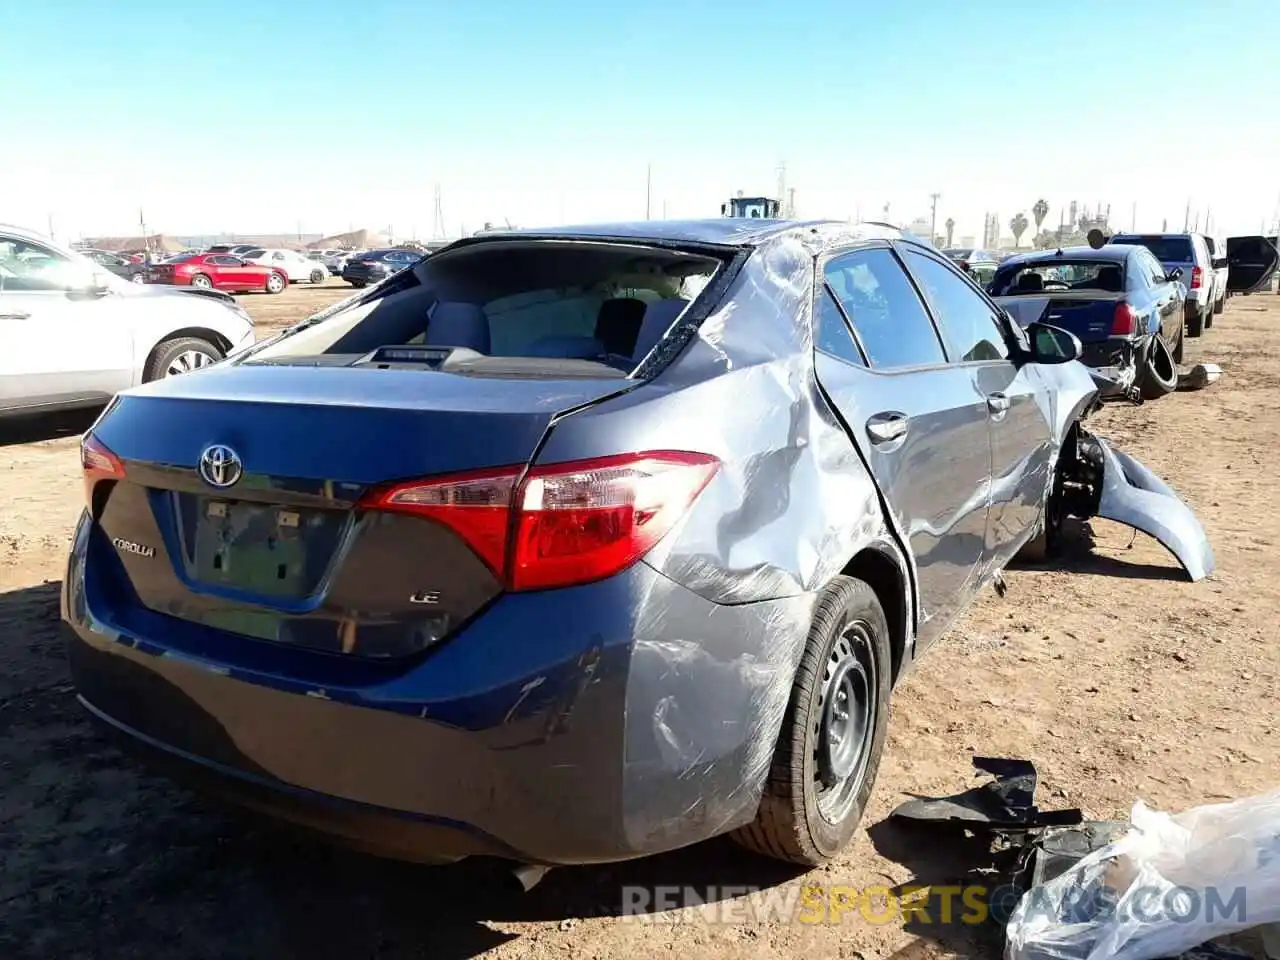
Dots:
{"x": 51, "y": 236}
{"x": 1186, "y": 218}
{"x": 1133, "y": 218}
{"x": 933, "y": 217}
{"x": 437, "y": 216}
{"x": 648, "y": 189}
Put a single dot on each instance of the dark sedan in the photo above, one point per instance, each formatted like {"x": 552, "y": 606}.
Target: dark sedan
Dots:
{"x": 377, "y": 265}
{"x": 1118, "y": 300}
{"x": 578, "y": 545}
{"x": 126, "y": 269}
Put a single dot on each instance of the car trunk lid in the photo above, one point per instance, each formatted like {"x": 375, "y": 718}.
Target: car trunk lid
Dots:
{"x": 1089, "y": 314}
{"x": 285, "y": 550}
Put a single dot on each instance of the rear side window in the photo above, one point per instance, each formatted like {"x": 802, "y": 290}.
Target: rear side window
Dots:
{"x": 1165, "y": 249}
{"x": 887, "y": 313}
{"x": 832, "y": 332}
{"x": 253, "y": 254}
{"x": 968, "y": 320}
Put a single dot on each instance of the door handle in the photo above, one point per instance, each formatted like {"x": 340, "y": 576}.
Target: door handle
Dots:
{"x": 887, "y": 427}
{"x": 15, "y": 316}
{"x": 997, "y": 403}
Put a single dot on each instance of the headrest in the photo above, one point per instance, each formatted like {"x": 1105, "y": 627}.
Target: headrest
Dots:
{"x": 455, "y": 324}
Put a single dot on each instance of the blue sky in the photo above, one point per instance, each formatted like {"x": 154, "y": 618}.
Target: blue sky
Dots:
{"x": 264, "y": 116}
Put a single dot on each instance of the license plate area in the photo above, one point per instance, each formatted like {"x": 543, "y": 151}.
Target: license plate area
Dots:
{"x": 273, "y": 551}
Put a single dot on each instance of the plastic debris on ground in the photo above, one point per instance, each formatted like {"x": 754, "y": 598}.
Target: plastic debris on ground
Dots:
{"x": 1170, "y": 883}
{"x": 1199, "y": 376}
{"x": 1160, "y": 887}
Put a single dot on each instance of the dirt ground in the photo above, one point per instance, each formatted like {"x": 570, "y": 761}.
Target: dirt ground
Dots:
{"x": 1118, "y": 678}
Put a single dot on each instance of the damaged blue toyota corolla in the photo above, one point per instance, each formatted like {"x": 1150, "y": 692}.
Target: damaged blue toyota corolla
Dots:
{"x": 577, "y": 545}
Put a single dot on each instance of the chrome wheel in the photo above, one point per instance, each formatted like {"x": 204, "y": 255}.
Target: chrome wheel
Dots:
{"x": 187, "y": 361}
{"x": 275, "y": 283}
{"x": 846, "y": 721}
{"x": 201, "y": 281}
{"x": 138, "y": 278}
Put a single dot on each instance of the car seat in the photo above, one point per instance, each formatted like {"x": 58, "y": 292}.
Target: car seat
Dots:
{"x": 455, "y": 324}
{"x": 1029, "y": 282}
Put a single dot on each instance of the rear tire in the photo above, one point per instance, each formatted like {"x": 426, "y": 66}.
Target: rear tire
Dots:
{"x": 358, "y": 284}
{"x": 201, "y": 281}
{"x": 1158, "y": 375}
{"x": 276, "y": 282}
{"x": 832, "y": 737}
{"x": 1220, "y": 306}
{"x": 1195, "y": 324}
{"x": 317, "y": 276}
{"x": 181, "y": 355}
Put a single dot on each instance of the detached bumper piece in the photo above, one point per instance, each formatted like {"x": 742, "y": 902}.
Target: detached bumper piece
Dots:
{"x": 1133, "y": 495}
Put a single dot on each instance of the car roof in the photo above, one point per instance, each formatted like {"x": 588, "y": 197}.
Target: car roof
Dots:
{"x": 1111, "y": 253}
{"x": 725, "y": 231}
{"x": 1161, "y": 236}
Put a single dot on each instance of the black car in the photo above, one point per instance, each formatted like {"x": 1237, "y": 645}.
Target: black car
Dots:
{"x": 133, "y": 272}
{"x": 377, "y": 265}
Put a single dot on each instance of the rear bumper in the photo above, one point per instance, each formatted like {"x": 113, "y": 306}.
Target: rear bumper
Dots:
{"x": 365, "y": 276}
{"x": 570, "y": 726}
{"x": 1114, "y": 364}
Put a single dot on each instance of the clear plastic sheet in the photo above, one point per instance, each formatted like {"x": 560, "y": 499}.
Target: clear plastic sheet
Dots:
{"x": 1171, "y": 883}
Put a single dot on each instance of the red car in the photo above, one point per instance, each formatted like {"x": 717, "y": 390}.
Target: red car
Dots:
{"x": 218, "y": 271}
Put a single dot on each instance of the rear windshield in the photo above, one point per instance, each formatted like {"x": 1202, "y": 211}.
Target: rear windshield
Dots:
{"x": 607, "y": 303}
{"x": 958, "y": 254}
{"x": 1059, "y": 275}
{"x": 1166, "y": 249}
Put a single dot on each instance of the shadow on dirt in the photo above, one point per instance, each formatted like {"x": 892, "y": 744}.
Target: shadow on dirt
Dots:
{"x": 1078, "y": 555}
{"x": 48, "y": 426}
{"x": 953, "y": 902}
{"x": 100, "y": 857}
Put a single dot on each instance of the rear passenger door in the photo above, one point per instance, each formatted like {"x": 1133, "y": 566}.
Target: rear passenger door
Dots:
{"x": 1011, "y": 396}
{"x": 919, "y": 421}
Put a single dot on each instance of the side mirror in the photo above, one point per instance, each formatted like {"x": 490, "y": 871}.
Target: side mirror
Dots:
{"x": 1174, "y": 274}
{"x": 1050, "y": 344}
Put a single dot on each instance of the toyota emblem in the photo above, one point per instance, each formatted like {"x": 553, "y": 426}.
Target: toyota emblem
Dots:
{"x": 220, "y": 466}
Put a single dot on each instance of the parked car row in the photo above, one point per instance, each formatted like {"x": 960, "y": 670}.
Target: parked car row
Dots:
{"x": 1133, "y": 301}
{"x": 578, "y": 545}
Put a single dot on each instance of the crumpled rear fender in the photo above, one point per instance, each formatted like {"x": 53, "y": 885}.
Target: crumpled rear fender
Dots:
{"x": 1136, "y": 497}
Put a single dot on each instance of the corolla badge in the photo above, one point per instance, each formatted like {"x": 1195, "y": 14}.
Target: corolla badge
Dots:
{"x": 129, "y": 546}
{"x": 220, "y": 466}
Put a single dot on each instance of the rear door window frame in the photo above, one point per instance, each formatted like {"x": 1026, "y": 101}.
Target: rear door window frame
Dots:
{"x": 998, "y": 314}
{"x": 821, "y": 285}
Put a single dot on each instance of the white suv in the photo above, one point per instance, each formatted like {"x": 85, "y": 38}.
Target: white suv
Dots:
{"x": 73, "y": 334}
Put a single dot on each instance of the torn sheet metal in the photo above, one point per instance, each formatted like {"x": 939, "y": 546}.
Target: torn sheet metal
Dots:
{"x": 1136, "y": 497}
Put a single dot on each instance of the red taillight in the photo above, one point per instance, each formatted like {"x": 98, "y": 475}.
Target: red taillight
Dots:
{"x": 98, "y": 463}
{"x": 476, "y": 506}
{"x": 565, "y": 523}
{"x": 1124, "y": 321}
{"x": 1197, "y": 276}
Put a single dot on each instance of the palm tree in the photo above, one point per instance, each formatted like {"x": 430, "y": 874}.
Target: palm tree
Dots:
{"x": 951, "y": 228}
{"x": 1019, "y": 226}
{"x": 1039, "y": 212}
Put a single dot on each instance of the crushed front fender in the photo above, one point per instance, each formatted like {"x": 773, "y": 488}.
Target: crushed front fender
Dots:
{"x": 1133, "y": 495}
